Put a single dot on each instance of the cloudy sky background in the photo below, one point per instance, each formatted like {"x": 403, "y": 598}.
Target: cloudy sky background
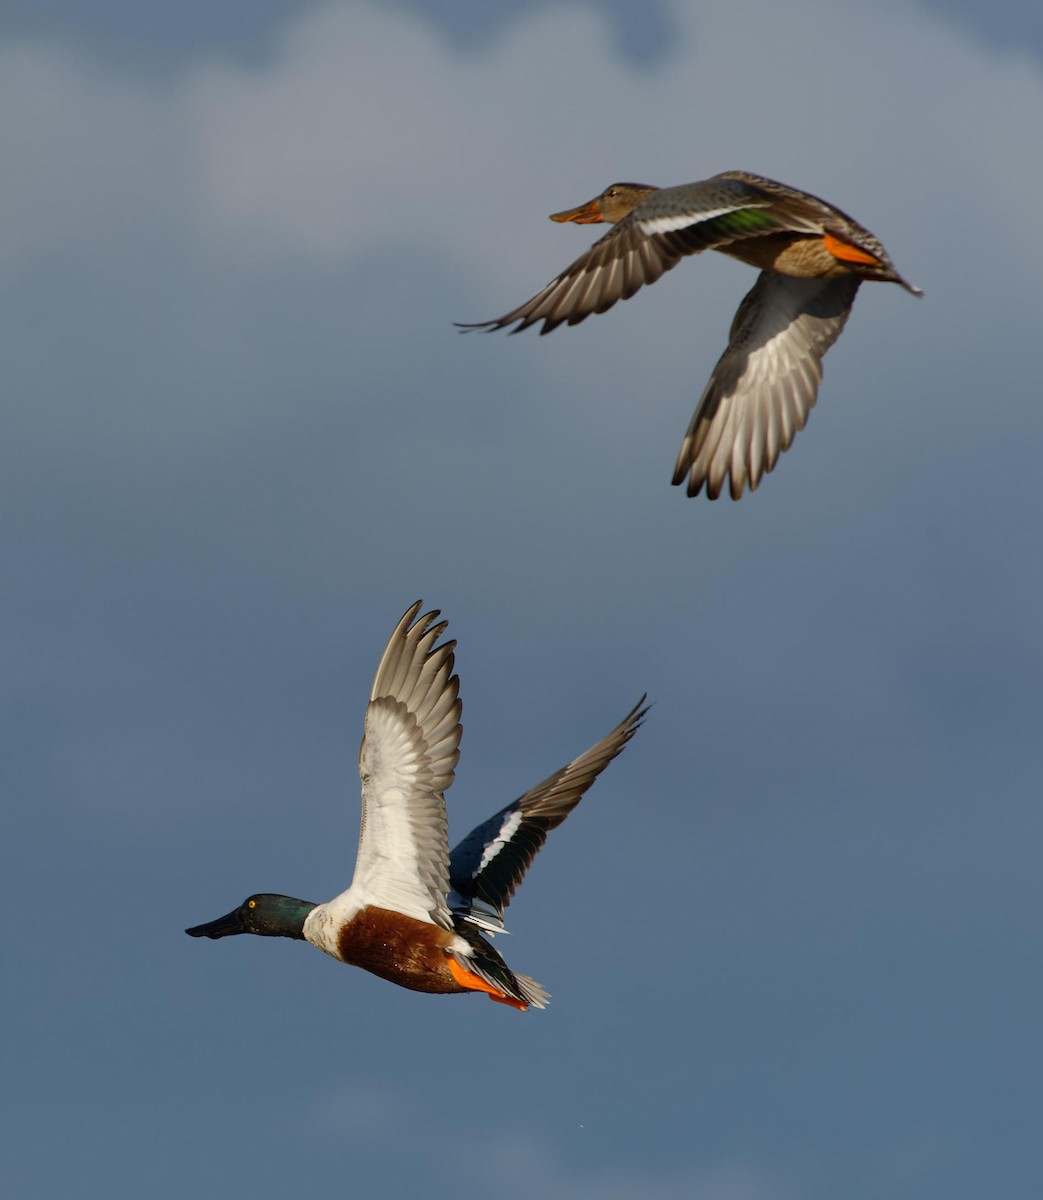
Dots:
{"x": 793, "y": 934}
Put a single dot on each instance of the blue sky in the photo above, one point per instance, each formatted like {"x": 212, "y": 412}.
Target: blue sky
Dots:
{"x": 792, "y": 935}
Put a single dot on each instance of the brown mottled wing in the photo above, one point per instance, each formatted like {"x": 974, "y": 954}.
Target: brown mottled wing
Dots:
{"x": 612, "y": 269}
{"x": 803, "y": 212}
{"x": 487, "y": 866}
{"x": 765, "y": 383}
{"x": 664, "y": 227}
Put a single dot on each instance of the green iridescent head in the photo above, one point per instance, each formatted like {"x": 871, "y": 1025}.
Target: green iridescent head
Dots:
{"x": 266, "y": 914}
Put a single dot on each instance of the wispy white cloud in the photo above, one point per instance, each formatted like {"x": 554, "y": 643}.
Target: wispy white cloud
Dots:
{"x": 365, "y": 126}
{"x": 367, "y": 133}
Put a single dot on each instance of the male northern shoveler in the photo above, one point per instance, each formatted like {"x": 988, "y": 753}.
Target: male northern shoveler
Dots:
{"x": 812, "y": 258}
{"x": 414, "y": 913}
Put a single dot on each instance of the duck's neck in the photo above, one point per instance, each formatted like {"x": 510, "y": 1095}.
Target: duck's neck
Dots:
{"x": 281, "y": 916}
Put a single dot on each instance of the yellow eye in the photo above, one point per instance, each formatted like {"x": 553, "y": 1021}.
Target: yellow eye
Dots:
{"x": 252, "y": 903}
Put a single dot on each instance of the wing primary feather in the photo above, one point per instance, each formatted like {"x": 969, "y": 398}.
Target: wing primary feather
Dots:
{"x": 408, "y": 759}
{"x": 490, "y": 863}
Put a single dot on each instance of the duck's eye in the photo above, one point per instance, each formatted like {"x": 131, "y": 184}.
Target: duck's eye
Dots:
{"x": 251, "y": 904}
{"x": 612, "y": 193}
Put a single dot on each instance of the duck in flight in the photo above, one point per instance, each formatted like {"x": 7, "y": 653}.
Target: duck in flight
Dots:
{"x": 414, "y": 913}
{"x": 812, "y": 259}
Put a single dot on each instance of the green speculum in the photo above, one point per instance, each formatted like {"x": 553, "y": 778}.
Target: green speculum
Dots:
{"x": 743, "y": 221}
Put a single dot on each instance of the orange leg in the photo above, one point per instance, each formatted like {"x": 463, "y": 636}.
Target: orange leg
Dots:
{"x": 476, "y": 983}
{"x": 848, "y": 253}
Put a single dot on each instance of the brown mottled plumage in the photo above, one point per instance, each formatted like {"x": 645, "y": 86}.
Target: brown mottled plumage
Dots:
{"x": 812, "y": 259}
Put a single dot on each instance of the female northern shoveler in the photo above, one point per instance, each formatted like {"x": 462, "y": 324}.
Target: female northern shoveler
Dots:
{"x": 414, "y": 913}
{"x": 812, "y": 258}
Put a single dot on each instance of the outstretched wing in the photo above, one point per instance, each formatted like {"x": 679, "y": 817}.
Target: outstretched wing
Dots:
{"x": 407, "y": 759}
{"x": 487, "y": 866}
{"x": 663, "y": 228}
{"x": 612, "y": 269}
{"x": 765, "y": 383}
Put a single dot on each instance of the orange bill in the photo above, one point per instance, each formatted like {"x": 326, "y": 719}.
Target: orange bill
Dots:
{"x": 586, "y": 214}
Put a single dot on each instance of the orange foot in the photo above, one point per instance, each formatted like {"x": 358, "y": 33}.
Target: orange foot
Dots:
{"x": 476, "y": 983}
{"x": 848, "y": 253}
